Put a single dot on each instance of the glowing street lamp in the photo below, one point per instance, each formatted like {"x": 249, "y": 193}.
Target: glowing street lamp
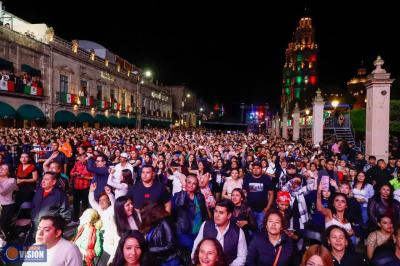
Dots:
{"x": 188, "y": 95}
{"x": 335, "y": 103}
{"x": 201, "y": 109}
{"x": 148, "y": 74}
{"x": 307, "y": 112}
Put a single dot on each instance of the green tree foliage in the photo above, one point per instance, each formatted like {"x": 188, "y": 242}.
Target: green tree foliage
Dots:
{"x": 358, "y": 118}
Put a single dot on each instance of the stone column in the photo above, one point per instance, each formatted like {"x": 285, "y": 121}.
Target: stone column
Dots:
{"x": 285, "y": 124}
{"x": 296, "y": 123}
{"x": 318, "y": 119}
{"x": 377, "y": 113}
{"x": 277, "y": 127}
{"x": 271, "y": 130}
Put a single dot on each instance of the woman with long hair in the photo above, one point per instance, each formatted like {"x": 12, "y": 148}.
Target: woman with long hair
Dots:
{"x": 338, "y": 241}
{"x": 336, "y": 214}
{"x": 126, "y": 217}
{"x": 132, "y": 250}
{"x": 362, "y": 192}
{"x": 7, "y": 186}
{"x": 115, "y": 157}
{"x": 383, "y": 204}
{"x": 191, "y": 163}
{"x": 209, "y": 252}
{"x": 218, "y": 178}
{"x": 242, "y": 215}
{"x": 317, "y": 255}
{"x": 189, "y": 209}
{"x": 27, "y": 176}
{"x": 159, "y": 235}
{"x": 231, "y": 184}
{"x": 125, "y": 181}
{"x": 381, "y": 236}
{"x": 271, "y": 246}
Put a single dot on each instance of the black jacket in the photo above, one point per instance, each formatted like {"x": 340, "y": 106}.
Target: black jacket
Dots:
{"x": 377, "y": 208}
{"x": 181, "y": 205}
{"x": 161, "y": 242}
{"x": 262, "y": 252}
{"x": 384, "y": 255}
{"x": 351, "y": 259}
{"x": 55, "y": 203}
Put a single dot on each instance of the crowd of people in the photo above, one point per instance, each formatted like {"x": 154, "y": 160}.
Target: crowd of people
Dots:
{"x": 197, "y": 197}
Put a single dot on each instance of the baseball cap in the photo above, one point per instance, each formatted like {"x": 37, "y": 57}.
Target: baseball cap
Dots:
{"x": 291, "y": 166}
{"x": 283, "y": 197}
{"x": 124, "y": 155}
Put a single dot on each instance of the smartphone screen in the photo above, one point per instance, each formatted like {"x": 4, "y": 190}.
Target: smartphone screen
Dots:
{"x": 324, "y": 183}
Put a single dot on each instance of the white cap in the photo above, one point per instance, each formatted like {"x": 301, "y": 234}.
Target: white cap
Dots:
{"x": 124, "y": 154}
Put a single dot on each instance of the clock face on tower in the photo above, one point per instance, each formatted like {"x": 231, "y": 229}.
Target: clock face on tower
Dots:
{"x": 383, "y": 92}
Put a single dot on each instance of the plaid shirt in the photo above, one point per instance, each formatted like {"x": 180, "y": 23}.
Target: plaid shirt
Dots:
{"x": 77, "y": 172}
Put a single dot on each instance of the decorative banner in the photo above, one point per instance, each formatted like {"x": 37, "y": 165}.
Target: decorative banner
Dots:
{"x": 10, "y": 86}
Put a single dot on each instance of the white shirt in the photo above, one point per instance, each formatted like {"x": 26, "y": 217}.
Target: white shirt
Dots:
{"x": 118, "y": 170}
{"x": 121, "y": 189}
{"x": 61, "y": 254}
{"x": 366, "y": 193}
{"x": 110, "y": 235}
{"x": 176, "y": 182}
{"x": 241, "y": 248}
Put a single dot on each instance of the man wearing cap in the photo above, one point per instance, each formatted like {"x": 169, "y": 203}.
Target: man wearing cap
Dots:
{"x": 122, "y": 166}
{"x": 391, "y": 167}
{"x": 260, "y": 193}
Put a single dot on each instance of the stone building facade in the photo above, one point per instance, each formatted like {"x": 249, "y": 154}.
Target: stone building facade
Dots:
{"x": 82, "y": 83}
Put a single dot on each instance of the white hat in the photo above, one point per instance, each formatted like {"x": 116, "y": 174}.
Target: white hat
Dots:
{"x": 124, "y": 154}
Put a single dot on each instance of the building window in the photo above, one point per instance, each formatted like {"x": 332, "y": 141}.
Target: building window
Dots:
{"x": 112, "y": 94}
{"x": 99, "y": 92}
{"x": 123, "y": 100}
{"x": 63, "y": 84}
{"x": 84, "y": 88}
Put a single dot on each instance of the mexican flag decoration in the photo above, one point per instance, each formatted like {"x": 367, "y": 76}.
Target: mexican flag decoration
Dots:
{"x": 115, "y": 105}
{"x": 3, "y": 85}
{"x": 74, "y": 98}
{"x": 27, "y": 89}
{"x": 33, "y": 90}
{"x": 10, "y": 85}
{"x": 67, "y": 98}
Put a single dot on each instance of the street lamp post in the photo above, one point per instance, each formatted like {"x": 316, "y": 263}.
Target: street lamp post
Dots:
{"x": 139, "y": 81}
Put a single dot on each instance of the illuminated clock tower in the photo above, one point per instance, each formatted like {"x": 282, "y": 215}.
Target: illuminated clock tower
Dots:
{"x": 300, "y": 76}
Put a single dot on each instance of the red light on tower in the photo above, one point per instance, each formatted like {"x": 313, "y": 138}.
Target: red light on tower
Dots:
{"x": 313, "y": 80}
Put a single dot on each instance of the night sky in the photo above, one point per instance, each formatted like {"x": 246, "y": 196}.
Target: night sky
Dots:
{"x": 224, "y": 51}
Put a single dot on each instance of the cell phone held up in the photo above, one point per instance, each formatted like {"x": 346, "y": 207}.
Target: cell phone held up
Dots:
{"x": 324, "y": 183}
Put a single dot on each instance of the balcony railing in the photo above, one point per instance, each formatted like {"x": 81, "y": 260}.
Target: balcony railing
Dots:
{"x": 335, "y": 122}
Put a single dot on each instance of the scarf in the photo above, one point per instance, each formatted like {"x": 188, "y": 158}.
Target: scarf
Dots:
{"x": 197, "y": 221}
{"x": 298, "y": 194}
{"x": 91, "y": 242}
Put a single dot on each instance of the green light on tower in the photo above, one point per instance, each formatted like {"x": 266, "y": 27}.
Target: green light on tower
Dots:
{"x": 299, "y": 79}
{"x": 298, "y": 93}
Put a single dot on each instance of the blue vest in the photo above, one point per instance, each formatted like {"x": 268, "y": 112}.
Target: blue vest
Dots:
{"x": 231, "y": 239}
